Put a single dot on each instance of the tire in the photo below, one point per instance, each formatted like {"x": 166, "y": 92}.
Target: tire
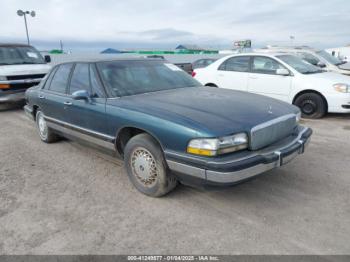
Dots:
{"x": 312, "y": 105}
{"x": 211, "y": 85}
{"x": 146, "y": 167}
{"x": 46, "y": 134}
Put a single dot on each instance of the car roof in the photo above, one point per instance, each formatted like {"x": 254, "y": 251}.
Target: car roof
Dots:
{"x": 98, "y": 60}
{"x": 13, "y": 45}
{"x": 271, "y": 54}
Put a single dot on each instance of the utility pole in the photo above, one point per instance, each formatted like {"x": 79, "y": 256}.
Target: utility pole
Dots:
{"x": 24, "y": 14}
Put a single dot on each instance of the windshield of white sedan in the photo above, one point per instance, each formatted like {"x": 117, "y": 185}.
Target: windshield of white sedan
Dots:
{"x": 15, "y": 55}
{"x": 331, "y": 59}
{"x": 125, "y": 78}
{"x": 300, "y": 65}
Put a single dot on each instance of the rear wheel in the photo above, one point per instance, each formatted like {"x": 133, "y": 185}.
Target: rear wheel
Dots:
{"x": 312, "y": 105}
{"x": 46, "y": 134}
{"x": 146, "y": 166}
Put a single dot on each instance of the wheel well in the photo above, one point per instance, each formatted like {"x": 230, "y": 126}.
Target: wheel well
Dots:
{"x": 125, "y": 134}
{"x": 311, "y": 91}
{"x": 35, "y": 108}
{"x": 211, "y": 84}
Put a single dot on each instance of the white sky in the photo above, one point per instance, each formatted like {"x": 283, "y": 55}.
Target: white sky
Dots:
{"x": 204, "y": 22}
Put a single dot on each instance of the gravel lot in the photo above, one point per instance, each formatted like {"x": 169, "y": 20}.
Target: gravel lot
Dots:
{"x": 66, "y": 198}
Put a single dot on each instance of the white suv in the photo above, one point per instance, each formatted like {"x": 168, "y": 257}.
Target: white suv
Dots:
{"x": 21, "y": 66}
{"x": 319, "y": 58}
{"x": 281, "y": 76}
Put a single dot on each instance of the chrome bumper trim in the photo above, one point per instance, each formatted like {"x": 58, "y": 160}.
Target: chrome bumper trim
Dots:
{"x": 15, "y": 97}
{"x": 236, "y": 176}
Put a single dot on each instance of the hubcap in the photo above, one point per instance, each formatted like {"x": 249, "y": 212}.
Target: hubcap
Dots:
{"x": 143, "y": 166}
{"x": 308, "y": 107}
{"x": 42, "y": 126}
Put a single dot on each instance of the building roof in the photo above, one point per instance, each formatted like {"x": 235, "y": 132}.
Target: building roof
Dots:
{"x": 110, "y": 51}
{"x": 189, "y": 47}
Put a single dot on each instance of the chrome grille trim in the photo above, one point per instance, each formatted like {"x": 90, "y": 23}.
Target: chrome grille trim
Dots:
{"x": 271, "y": 131}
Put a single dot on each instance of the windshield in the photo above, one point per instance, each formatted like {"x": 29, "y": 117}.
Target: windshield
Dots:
{"x": 300, "y": 65}
{"x": 125, "y": 78}
{"x": 15, "y": 55}
{"x": 331, "y": 59}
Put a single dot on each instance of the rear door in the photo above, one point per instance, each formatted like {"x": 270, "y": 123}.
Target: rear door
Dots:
{"x": 264, "y": 81}
{"x": 54, "y": 95}
{"x": 233, "y": 73}
{"x": 87, "y": 114}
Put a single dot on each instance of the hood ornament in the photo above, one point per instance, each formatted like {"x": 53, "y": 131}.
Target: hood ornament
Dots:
{"x": 269, "y": 110}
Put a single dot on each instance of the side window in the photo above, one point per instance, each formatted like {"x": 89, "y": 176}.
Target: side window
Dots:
{"x": 238, "y": 64}
{"x": 60, "y": 79}
{"x": 97, "y": 90}
{"x": 309, "y": 58}
{"x": 265, "y": 65}
{"x": 48, "y": 78}
{"x": 80, "y": 78}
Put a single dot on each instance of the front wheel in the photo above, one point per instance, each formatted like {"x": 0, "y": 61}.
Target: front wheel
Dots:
{"x": 312, "y": 105}
{"x": 146, "y": 166}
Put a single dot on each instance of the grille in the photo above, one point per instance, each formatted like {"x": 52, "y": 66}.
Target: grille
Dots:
{"x": 22, "y": 86}
{"x": 269, "y": 132}
{"x": 20, "y": 77}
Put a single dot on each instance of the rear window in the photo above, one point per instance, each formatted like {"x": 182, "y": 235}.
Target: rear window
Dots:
{"x": 125, "y": 78}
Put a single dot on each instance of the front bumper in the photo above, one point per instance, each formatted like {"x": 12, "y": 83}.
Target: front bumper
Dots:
{"x": 12, "y": 97}
{"x": 15, "y": 93}
{"x": 237, "y": 167}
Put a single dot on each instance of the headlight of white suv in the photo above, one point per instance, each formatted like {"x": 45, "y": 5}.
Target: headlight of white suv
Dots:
{"x": 217, "y": 146}
{"x": 3, "y": 78}
{"x": 343, "y": 88}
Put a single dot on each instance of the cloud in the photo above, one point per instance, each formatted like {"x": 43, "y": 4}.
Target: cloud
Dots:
{"x": 204, "y": 22}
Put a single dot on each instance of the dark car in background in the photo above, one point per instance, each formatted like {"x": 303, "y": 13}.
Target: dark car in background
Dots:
{"x": 201, "y": 63}
{"x": 166, "y": 126}
{"x": 21, "y": 67}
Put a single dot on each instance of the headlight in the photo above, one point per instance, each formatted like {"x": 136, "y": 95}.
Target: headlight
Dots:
{"x": 217, "y": 146}
{"x": 343, "y": 88}
{"x": 3, "y": 78}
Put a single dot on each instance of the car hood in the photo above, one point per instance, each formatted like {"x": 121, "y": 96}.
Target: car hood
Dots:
{"x": 26, "y": 69}
{"x": 211, "y": 111}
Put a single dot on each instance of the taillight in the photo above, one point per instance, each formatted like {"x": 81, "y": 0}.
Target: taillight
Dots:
{"x": 193, "y": 73}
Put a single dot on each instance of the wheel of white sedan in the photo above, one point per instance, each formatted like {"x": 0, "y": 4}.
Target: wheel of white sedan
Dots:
{"x": 45, "y": 133}
{"x": 146, "y": 166}
{"x": 311, "y": 105}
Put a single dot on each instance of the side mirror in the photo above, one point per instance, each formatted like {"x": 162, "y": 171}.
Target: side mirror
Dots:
{"x": 282, "y": 72}
{"x": 81, "y": 95}
{"x": 321, "y": 64}
{"x": 47, "y": 58}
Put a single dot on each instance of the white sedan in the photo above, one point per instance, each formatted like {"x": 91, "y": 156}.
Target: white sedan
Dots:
{"x": 281, "y": 76}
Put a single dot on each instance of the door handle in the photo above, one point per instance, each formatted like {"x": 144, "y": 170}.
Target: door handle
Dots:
{"x": 41, "y": 96}
{"x": 67, "y": 103}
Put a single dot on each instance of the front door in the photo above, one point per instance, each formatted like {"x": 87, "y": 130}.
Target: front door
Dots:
{"x": 263, "y": 79}
{"x": 88, "y": 116}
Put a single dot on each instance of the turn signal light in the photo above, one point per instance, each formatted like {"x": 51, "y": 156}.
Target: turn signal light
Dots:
{"x": 4, "y": 86}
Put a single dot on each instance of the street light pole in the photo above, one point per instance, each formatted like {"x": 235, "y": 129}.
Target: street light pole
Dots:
{"x": 24, "y": 14}
{"x": 25, "y": 22}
